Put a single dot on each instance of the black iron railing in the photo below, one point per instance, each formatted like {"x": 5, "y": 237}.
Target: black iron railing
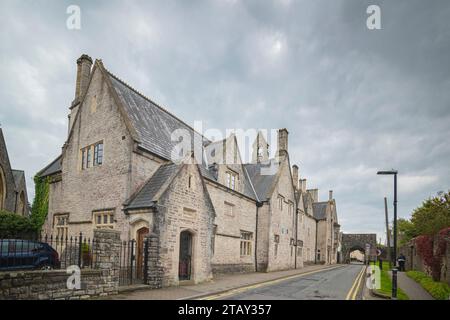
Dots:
{"x": 47, "y": 252}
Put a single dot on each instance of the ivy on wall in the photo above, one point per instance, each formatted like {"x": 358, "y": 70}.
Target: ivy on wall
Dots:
{"x": 39, "y": 210}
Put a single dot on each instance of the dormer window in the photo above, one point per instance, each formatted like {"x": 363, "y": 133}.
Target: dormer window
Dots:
{"x": 232, "y": 180}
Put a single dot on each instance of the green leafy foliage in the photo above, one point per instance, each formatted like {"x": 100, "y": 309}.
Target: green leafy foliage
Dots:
{"x": 15, "y": 226}
{"x": 428, "y": 219}
{"x": 39, "y": 210}
{"x": 439, "y": 290}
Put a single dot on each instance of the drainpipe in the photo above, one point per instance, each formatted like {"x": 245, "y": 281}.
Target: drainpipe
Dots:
{"x": 296, "y": 238}
{"x": 258, "y": 205}
{"x": 315, "y": 253}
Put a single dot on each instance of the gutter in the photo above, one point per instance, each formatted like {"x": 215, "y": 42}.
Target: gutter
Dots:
{"x": 258, "y": 205}
{"x": 315, "y": 253}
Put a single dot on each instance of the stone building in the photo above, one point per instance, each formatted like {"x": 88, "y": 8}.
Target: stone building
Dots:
{"x": 13, "y": 189}
{"x": 121, "y": 168}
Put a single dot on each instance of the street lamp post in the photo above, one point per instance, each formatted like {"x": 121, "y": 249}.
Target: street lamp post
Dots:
{"x": 394, "y": 270}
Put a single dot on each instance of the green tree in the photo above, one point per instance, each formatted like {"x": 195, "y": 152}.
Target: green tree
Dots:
{"x": 432, "y": 216}
{"x": 406, "y": 231}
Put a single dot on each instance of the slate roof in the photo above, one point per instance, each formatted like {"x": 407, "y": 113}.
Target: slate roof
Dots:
{"x": 153, "y": 124}
{"x": 145, "y": 197}
{"x": 52, "y": 168}
{"x": 320, "y": 210}
{"x": 261, "y": 183}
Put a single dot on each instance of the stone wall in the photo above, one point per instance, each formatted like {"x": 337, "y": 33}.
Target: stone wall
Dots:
{"x": 52, "y": 284}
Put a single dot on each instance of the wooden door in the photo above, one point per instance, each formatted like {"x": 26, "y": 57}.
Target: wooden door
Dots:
{"x": 141, "y": 233}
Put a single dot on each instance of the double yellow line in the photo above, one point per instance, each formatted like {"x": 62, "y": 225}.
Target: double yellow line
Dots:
{"x": 351, "y": 295}
{"x": 270, "y": 282}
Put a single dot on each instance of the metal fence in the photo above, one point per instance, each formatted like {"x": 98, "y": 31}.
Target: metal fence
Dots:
{"x": 47, "y": 252}
{"x": 55, "y": 252}
{"x": 133, "y": 262}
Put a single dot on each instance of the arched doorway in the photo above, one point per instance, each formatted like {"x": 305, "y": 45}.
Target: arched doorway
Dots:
{"x": 141, "y": 233}
{"x": 185, "y": 260}
{"x": 2, "y": 189}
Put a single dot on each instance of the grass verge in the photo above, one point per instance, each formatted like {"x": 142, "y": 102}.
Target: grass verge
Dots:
{"x": 386, "y": 284}
{"x": 438, "y": 290}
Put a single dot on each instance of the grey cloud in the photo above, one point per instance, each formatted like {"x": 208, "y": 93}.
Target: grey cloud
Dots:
{"x": 353, "y": 100}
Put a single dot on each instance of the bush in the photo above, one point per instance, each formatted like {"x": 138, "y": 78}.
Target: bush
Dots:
{"x": 439, "y": 290}
{"x": 15, "y": 226}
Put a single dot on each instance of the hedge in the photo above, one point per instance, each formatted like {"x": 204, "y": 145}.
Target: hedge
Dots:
{"x": 15, "y": 226}
{"x": 439, "y": 290}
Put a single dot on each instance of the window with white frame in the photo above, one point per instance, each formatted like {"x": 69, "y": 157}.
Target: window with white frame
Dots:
{"x": 104, "y": 219}
{"x": 232, "y": 180}
{"x": 246, "y": 243}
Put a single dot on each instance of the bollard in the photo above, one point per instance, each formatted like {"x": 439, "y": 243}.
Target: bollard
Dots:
{"x": 394, "y": 284}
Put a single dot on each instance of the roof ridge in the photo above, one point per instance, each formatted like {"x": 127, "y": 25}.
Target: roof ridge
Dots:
{"x": 164, "y": 109}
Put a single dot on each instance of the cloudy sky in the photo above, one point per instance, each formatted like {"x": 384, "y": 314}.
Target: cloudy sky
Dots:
{"x": 354, "y": 100}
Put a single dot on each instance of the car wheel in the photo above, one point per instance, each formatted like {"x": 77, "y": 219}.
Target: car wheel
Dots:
{"x": 45, "y": 267}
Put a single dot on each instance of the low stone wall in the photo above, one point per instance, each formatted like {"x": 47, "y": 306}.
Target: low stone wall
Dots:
{"x": 52, "y": 284}
{"x": 232, "y": 268}
{"x": 45, "y": 285}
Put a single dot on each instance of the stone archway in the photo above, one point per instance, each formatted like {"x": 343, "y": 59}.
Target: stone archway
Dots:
{"x": 351, "y": 242}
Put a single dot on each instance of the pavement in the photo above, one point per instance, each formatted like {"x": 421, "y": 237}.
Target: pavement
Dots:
{"x": 220, "y": 284}
{"x": 310, "y": 282}
{"x": 411, "y": 287}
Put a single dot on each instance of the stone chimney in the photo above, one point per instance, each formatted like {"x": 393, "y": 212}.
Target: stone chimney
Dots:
{"x": 282, "y": 142}
{"x": 330, "y": 195}
{"x": 84, "y": 64}
{"x": 302, "y": 185}
{"x": 314, "y": 194}
{"x": 295, "y": 176}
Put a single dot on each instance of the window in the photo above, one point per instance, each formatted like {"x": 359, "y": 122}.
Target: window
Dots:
{"x": 98, "y": 154}
{"x": 246, "y": 243}
{"x": 280, "y": 202}
{"x": 88, "y": 159}
{"x": 104, "y": 219}
{"x": 232, "y": 180}
{"x": 61, "y": 226}
{"x": 190, "y": 181}
{"x": 83, "y": 159}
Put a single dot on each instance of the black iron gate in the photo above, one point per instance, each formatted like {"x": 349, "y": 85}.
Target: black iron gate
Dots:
{"x": 133, "y": 262}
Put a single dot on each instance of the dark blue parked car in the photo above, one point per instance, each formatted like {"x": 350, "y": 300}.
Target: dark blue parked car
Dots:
{"x": 26, "y": 254}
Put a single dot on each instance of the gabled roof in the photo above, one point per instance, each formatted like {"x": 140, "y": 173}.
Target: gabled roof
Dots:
{"x": 153, "y": 124}
{"x": 262, "y": 182}
{"x": 146, "y": 196}
{"x": 52, "y": 168}
{"x": 320, "y": 210}
{"x": 19, "y": 176}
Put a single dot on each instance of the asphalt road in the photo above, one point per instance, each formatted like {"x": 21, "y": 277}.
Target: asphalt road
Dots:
{"x": 332, "y": 284}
